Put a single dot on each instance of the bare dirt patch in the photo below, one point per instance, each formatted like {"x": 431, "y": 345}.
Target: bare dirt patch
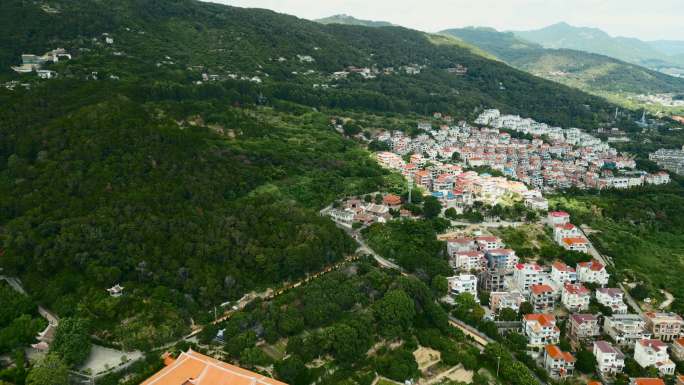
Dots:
{"x": 426, "y": 357}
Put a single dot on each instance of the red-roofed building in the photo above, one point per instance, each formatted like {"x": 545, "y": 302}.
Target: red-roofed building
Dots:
{"x": 540, "y": 329}
{"x": 579, "y": 244}
{"x": 592, "y": 272}
{"x": 526, "y": 275}
{"x": 567, "y": 230}
{"x": 391, "y": 200}
{"x": 197, "y": 369}
{"x": 557, "y": 218}
{"x": 489, "y": 243}
{"x": 558, "y": 364}
{"x": 542, "y": 297}
{"x": 646, "y": 381}
{"x": 575, "y": 297}
{"x": 562, "y": 273}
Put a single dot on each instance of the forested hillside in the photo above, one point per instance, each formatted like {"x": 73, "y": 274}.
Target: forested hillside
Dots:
{"x": 188, "y": 38}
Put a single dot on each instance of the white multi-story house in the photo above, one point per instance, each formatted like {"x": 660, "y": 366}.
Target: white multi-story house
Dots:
{"x": 562, "y": 274}
{"x": 468, "y": 260}
{"x": 567, "y": 230}
{"x": 575, "y": 297}
{"x": 584, "y": 327}
{"x": 343, "y": 217}
{"x": 653, "y": 353}
{"x": 555, "y": 218}
{"x": 526, "y": 275}
{"x": 664, "y": 326}
{"x": 592, "y": 272}
{"x": 626, "y": 329}
{"x": 463, "y": 283}
{"x": 558, "y": 364}
{"x": 579, "y": 244}
{"x": 609, "y": 359}
{"x": 486, "y": 243}
{"x": 499, "y": 300}
{"x": 542, "y": 298}
{"x": 612, "y": 298}
{"x": 540, "y": 330}
{"x": 460, "y": 245}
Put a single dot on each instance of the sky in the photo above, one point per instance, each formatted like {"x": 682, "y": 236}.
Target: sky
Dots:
{"x": 646, "y": 20}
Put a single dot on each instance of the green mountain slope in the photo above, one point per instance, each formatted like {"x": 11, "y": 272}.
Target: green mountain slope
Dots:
{"x": 229, "y": 41}
{"x": 587, "y": 71}
{"x": 350, "y": 20}
{"x": 594, "y": 40}
{"x": 132, "y": 168}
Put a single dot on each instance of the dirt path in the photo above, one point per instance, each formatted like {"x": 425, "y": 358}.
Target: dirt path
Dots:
{"x": 669, "y": 298}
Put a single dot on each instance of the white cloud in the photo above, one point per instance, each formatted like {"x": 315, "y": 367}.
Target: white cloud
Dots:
{"x": 647, "y": 20}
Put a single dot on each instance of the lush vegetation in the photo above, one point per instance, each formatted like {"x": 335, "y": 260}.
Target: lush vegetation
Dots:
{"x": 412, "y": 244}
{"x": 202, "y": 37}
{"x": 346, "y": 326}
{"x": 19, "y": 320}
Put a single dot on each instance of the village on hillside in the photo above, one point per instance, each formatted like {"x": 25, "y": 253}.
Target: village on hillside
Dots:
{"x": 455, "y": 164}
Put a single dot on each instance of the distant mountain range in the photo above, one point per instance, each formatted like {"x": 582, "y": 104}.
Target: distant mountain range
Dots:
{"x": 588, "y": 71}
{"x": 350, "y": 20}
{"x": 656, "y": 54}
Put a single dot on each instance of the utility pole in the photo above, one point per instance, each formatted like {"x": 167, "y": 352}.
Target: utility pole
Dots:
{"x": 498, "y": 362}
{"x": 410, "y": 186}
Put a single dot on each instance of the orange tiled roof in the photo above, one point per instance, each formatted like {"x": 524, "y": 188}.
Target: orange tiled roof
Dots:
{"x": 198, "y": 369}
{"x": 560, "y": 266}
{"x": 543, "y": 319}
{"x": 556, "y": 353}
{"x": 540, "y": 289}
{"x": 392, "y": 200}
{"x": 574, "y": 241}
{"x": 577, "y": 288}
{"x": 648, "y": 381}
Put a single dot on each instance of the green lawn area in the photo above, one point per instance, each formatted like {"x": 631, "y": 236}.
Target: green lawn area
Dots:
{"x": 276, "y": 350}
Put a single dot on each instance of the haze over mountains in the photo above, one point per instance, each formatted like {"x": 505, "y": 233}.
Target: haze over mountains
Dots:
{"x": 657, "y": 55}
{"x": 588, "y": 71}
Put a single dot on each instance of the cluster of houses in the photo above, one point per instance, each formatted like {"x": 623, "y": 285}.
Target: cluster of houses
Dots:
{"x": 457, "y": 188}
{"x": 670, "y": 159}
{"x": 565, "y": 234}
{"x": 483, "y": 263}
{"x": 34, "y": 63}
{"x": 553, "y": 158}
{"x": 358, "y": 210}
{"x": 569, "y": 156}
